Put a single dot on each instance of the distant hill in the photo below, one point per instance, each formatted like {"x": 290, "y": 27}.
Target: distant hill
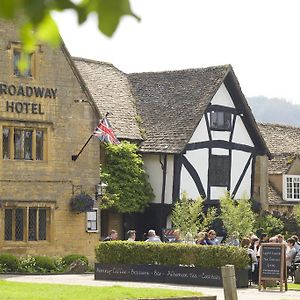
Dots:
{"x": 274, "y": 110}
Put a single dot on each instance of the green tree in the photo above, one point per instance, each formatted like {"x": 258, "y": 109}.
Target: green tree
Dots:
{"x": 296, "y": 213}
{"x": 38, "y": 25}
{"x": 188, "y": 216}
{"x": 237, "y": 216}
{"x": 269, "y": 223}
{"x": 128, "y": 189}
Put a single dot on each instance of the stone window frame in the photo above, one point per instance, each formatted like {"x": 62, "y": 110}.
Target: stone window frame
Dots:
{"x": 26, "y": 127}
{"x": 95, "y": 211}
{"x": 26, "y": 206}
{"x": 15, "y": 46}
{"x": 291, "y": 187}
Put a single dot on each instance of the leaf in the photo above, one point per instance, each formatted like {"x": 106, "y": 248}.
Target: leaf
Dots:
{"x": 27, "y": 37}
{"x": 7, "y": 8}
{"x": 109, "y": 14}
{"x": 47, "y": 31}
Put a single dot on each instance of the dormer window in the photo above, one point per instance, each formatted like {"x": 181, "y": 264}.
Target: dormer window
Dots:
{"x": 28, "y": 72}
{"x": 291, "y": 187}
{"x": 220, "y": 120}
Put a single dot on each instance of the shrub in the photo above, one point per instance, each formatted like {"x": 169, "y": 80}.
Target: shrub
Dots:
{"x": 170, "y": 254}
{"x": 44, "y": 264}
{"x": 67, "y": 260}
{"x": 9, "y": 262}
{"x": 27, "y": 264}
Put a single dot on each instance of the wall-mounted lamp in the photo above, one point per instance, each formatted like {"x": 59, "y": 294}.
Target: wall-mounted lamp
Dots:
{"x": 100, "y": 189}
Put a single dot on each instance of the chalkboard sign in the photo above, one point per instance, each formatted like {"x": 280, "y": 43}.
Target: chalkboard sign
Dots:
{"x": 272, "y": 263}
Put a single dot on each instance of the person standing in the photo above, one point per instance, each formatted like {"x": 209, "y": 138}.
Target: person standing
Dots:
{"x": 152, "y": 237}
{"x": 113, "y": 236}
{"x": 131, "y": 234}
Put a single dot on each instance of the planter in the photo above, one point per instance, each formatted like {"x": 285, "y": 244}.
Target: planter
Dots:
{"x": 167, "y": 274}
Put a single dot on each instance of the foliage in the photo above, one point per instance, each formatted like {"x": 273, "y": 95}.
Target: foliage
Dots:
{"x": 29, "y": 291}
{"x": 120, "y": 252}
{"x": 27, "y": 264}
{"x": 188, "y": 216}
{"x": 44, "y": 264}
{"x": 81, "y": 202}
{"x": 237, "y": 216}
{"x": 38, "y": 25}
{"x": 9, "y": 262}
{"x": 68, "y": 259}
{"x": 128, "y": 189}
{"x": 270, "y": 224}
{"x": 296, "y": 212}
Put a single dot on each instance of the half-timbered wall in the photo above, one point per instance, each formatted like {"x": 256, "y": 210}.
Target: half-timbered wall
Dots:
{"x": 210, "y": 148}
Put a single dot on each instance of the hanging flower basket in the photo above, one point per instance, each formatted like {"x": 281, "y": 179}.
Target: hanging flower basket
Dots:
{"x": 81, "y": 203}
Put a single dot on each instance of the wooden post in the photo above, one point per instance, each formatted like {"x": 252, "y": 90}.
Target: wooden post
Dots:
{"x": 229, "y": 283}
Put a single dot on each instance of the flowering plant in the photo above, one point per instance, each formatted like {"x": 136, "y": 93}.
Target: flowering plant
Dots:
{"x": 82, "y": 203}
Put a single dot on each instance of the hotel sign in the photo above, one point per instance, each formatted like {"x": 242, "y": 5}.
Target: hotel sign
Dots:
{"x": 26, "y": 107}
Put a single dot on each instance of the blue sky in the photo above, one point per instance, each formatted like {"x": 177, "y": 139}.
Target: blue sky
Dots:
{"x": 259, "y": 38}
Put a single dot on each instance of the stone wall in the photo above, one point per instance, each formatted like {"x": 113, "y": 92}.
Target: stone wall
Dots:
{"x": 68, "y": 116}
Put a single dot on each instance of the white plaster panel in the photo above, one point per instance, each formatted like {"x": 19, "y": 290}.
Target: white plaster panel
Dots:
{"x": 240, "y": 133}
{"x": 222, "y": 97}
{"x": 244, "y": 190}
{"x": 200, "y": 134}
{"x": 217, "y": 192}
{"x": 219, "y": 151}
{"x": 188, "y": 185}
{"x": 154, "y": 170}
{"x": 199, "y": 160}
{"x": 239, "y": 160}
{"x": 220, "y": 135}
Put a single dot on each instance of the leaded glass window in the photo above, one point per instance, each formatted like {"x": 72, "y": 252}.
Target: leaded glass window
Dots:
{"x": 17, "y": 57}
{"x": 19, "y": 226}
{"x": 8, "y": 224}
{"x": 39, "y": 145}
{"x": 42, "y": 224}
{"x": 32, "y": 222}
{"x": 19, "y": 142}
{"x": 6, "y": 143}
{"x": 28, "y": 144}
{"x": 220, "y": 120}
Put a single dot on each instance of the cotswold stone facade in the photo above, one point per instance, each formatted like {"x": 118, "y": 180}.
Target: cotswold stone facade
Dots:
{"x": 46, "y": 115}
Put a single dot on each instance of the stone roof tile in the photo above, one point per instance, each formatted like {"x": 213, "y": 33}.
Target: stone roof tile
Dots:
{"x": 111, "y": 92}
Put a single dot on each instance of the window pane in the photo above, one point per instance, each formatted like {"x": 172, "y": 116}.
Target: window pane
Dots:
{"x": 220, "y": 120}
{"x": 28, "y": 144}
{"x": 5, "y": 143}
{"x": 17, "y": 56}
{"x": 219, "y": 170}
{"x": 32, "y": 234}
{"x": 42, "y": 224}
{"x": 19, "y": 229}
{"x": 19, "y": 142}
{"x": 8, "y": 224}
{"x": 39, "y": 145}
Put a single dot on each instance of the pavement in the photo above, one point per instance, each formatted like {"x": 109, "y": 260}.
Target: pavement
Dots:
{"x": 250, "y": 293}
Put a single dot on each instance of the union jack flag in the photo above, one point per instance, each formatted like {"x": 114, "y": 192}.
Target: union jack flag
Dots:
{"x": 104, "y": 132}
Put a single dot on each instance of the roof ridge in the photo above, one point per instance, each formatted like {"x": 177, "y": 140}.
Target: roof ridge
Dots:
{"x": 278, "y": 125}
{"x": 225, "y": 66}
{"x": 92, "y": 61}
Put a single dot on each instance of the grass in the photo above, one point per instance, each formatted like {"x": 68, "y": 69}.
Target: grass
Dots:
{"x": 38, "y": 291}
{"x": 294, "y": 286}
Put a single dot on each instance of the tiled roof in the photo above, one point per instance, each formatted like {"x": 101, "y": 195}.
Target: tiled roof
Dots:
{"x": 171, "y": 104}
{"x": 284, "y": 144}
{"x": 274, "y": 198}
{"x": 110, "y": 90}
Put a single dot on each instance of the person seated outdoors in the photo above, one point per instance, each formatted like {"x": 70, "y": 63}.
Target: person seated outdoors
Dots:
{"x": 201, "y": 238}
{"x": 212, "y": 238}
{"x": 131, "y": 234}
{"x": 233, "y": 239}
{"x": 152, "y": 237}
{"x": 113, "y": 236}
{"x": 177, "y": 237}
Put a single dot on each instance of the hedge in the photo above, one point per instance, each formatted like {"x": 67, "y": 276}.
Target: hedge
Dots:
{"x": 68, "y": 259}
{"x": 9, "y": 262}
{"x": 122, "y": 252}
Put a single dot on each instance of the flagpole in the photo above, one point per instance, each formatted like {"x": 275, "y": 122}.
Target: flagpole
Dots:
{"x": 74, "y": 157}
